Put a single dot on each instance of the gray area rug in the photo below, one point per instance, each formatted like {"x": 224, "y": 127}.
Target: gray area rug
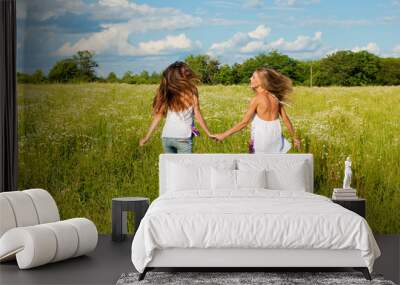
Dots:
{"x": 229, "y": 278}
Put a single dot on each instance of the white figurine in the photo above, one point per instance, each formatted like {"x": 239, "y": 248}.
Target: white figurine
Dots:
{"x": 347, "y": 174}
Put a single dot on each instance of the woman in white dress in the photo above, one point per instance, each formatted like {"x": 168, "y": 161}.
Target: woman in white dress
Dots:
{"x": 271, "y": 91}
{"x": 177, "y": 100}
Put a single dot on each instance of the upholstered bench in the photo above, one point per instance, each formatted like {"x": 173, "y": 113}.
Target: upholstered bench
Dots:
{"x": 31, "y": 231}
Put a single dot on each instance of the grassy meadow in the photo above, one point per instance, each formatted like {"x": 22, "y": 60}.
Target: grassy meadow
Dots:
{"x": 80, "y": 142}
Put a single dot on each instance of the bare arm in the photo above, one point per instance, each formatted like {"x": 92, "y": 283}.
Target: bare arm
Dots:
{"x": 289, "y": 126}
{"x": 199, "y": 116}
{"x": 248, "y": 116}
{"x": 156, "y": 121}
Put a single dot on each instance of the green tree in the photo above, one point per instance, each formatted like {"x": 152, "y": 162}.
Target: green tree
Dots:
{"x": 38, "y": 77}
{"x": 236, "y": 76}
{"x": 112, "y": 78}
{"x": 204, "y": 66}
{"x": 225, "y": 75}
{"x": 86, "y": 65}
{"x": 142, "y": 78}
{"x": 64, "y": 71}
{"x": 389, "y": 73}
{"x": 154, "y": 78}
{"x": 348, "y": 68}
{"x": 127, "y": 77}
{"x": 274, "y": 60}
{"x": 23, "y": 77}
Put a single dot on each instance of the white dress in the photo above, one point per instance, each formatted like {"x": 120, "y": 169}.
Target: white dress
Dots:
{"x": 266, "y": 137}
{"x": 179, "y": 124}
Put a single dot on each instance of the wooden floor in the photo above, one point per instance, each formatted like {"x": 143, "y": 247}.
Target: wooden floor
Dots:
{"x": 103, "y": 266}
{"x": 111, "y": 259}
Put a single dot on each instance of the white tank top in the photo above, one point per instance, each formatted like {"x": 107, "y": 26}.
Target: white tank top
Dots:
{"x": 178, "y": 124}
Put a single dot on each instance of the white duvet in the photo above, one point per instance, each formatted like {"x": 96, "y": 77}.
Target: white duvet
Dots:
{"x": 253, "y": 218}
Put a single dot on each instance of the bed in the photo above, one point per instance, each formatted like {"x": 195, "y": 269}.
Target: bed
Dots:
{"x": 247, "y": 210}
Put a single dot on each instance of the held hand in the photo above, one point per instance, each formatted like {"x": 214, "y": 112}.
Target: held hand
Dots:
{"x": 220, "y": 137}
{"x": 212, "y": 136}
{"x": 143, "y": 141}
{"x": 296, "y": 143}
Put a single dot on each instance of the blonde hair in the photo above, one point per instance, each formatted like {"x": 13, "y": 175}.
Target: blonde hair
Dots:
{"x": 275, "y": 82}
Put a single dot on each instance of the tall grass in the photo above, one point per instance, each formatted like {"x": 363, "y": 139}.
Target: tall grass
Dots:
{"x": 80, "y": 142}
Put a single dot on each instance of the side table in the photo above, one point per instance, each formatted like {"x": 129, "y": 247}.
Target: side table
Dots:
{"x": 120, "y": 206}
{"x": 357, "y": 205}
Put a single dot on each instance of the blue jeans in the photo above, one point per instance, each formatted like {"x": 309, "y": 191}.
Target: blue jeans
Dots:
{"x": 177, "y": 145}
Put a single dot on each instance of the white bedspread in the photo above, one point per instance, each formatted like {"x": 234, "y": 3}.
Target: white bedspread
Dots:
{"x": 253, "y": 218}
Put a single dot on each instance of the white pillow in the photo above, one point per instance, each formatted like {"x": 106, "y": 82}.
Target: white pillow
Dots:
{"x": 182, "y": 177}
{"x": 186, "y": 175}
{"x": 281, "y": 175}
{"x": 292, "y": 178}
{"x": 223, "y": 179}
{"x": 228, "y": 179}
{"x": 251, "y": 178}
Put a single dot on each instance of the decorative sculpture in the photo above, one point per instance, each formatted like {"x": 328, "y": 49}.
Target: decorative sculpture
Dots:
{"x": 347, "y": 174}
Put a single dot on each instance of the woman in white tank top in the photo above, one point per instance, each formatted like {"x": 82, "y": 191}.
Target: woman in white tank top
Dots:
{"x": 177, "y": 100}
{"x": 271, "y": 90}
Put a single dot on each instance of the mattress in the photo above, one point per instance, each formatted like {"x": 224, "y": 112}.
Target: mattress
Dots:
{"x": 250, "y": 218}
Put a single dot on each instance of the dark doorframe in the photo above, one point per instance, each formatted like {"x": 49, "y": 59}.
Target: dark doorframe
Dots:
{"x": 8, "y": 98}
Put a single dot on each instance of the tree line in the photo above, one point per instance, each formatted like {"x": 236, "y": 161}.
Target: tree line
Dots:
{"x": 342, "y": 68}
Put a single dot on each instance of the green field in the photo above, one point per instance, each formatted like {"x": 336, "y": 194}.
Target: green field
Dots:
{"x": 80, "y": 142}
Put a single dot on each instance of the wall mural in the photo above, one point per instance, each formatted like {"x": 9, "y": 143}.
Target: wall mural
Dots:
{"x": 88, "y": 72}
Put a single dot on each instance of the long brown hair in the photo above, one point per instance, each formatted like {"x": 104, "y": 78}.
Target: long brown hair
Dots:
{"x": 176, "y": 81}
{"x": 275, "y": 82}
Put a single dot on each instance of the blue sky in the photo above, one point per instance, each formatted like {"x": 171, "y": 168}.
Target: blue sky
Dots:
{"x": 137, "y": 35}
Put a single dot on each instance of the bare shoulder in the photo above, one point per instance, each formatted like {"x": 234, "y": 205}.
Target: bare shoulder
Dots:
{"x": 253, "y": 103}
{"x": 282, "y": 110}
{"x": 195, "y": 100}
{"x": 255, "y": 99}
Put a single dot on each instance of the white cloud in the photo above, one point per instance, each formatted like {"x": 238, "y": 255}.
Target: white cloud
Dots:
{"x": 252, "y": 46}
{"x": 239, "y": 39}
{"x": 222, "y": 47}
{"x": 253, "y": 3}
{"x": 116, "y": 10}
{"x": 225, "y": 22}
{"x": 115, "y": 41}
{"x": 42, "y": 10}
{"x": 114, "y": 3}
{"x": 301, "y": 44}
{"x": 260, "y": 32}
{"x": 169, "y": 43}
{"x": 331, "y": 51}
{"x": 125, "y": 10}
{"x": 254, "y": 42}
{"x": 292, "y": 3}
{"x": 335, "y": 22}
{"x": 396, "y": 49}
{"x": 285, "y": 2}
{"x": 116, "y": 37}
{"x": 370, "y": 47}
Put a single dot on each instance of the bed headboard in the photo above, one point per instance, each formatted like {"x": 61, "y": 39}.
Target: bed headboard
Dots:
{"x": 204, "y": 157}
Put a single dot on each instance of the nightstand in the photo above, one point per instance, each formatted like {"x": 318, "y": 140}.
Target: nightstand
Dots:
{"x": 356, "y": 205}
{"x": 120, "y": 206}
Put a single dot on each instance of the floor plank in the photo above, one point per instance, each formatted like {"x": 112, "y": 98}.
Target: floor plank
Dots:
{"x": 111, "y": 259}
{"x": 103, "y": 266}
